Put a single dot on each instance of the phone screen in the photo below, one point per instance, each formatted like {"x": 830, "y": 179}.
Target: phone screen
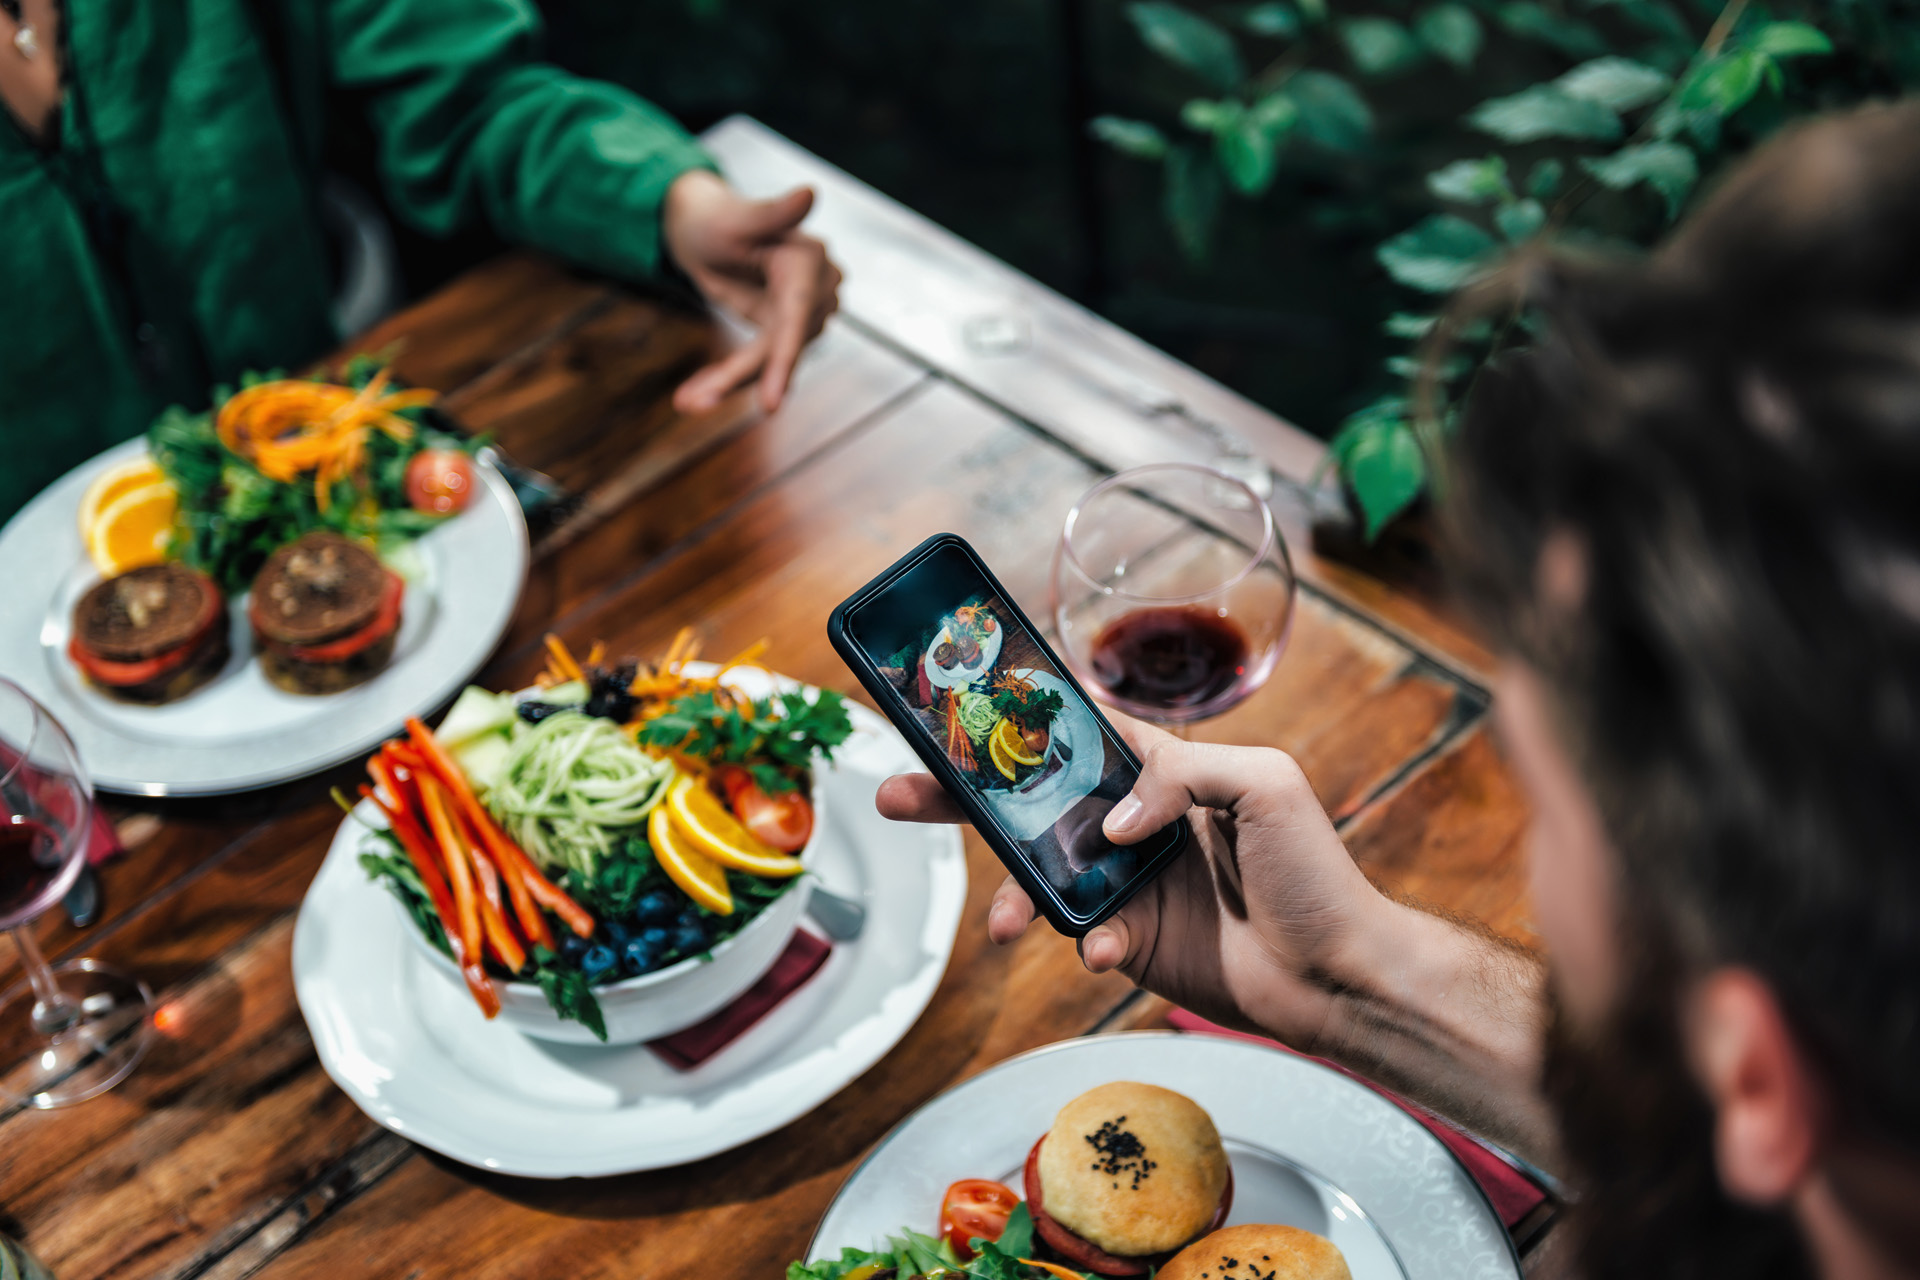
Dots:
{"x": 1019, "y": 735}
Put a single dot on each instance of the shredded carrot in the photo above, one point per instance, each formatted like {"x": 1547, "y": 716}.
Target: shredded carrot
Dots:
{"x": 563, "y": 661}
{"x": 597, "y": 654}
{"x": 293, "y": 426}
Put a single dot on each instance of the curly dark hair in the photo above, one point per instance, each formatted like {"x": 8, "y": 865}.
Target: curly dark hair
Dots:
{"x": 1729, "y": 435}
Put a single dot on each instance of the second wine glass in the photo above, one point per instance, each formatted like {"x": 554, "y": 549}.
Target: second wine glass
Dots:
{"x": 1173, "y": 591}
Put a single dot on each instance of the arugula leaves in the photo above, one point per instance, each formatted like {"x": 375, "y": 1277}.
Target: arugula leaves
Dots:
{"x": 1035, "y": 709}
{"x": 568, "y": 991}
{"x": 232, "y": 517}
{"x": 780, "y": 738}
{"x": 913, "y": 1254}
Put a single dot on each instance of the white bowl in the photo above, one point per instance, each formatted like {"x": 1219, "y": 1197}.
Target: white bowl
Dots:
{"x": 667, "y": 1000}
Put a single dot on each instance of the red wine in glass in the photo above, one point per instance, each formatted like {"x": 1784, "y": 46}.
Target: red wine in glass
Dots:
{"x": 1171, "y": 657}
{"x": 30, "y": 862}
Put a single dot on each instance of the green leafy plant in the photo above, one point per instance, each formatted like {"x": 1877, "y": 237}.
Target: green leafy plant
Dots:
{"x": 1609, "y": 116}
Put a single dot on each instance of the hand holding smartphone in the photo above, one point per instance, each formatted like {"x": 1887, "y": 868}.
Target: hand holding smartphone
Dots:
{"x": 999, "y": 720}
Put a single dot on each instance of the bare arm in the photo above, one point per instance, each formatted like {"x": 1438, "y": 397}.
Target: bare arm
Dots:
{"x": 1267, "y": 924}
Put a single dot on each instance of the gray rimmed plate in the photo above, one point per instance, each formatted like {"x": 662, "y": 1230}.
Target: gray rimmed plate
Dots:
{"x": 239, "y": 732}
{"x": 1310, "y": 1148}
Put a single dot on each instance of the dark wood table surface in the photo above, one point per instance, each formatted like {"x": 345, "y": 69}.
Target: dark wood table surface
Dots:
{"x": 952, "y": 393}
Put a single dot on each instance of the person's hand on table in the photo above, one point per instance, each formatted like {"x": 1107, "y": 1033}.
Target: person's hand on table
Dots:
{"x": 1247, "y": 925}
{"x": 750, "y": 257}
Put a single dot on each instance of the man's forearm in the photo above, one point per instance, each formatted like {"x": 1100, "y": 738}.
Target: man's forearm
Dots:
{"x": 1450, "y": 1016}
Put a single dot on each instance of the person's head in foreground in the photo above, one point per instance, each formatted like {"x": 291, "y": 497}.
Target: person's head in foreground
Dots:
{"x": 1689, "y": 516}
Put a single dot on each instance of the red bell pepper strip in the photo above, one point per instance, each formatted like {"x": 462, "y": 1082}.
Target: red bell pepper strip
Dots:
{"x": 493, "y": 921}
{"x": 505, "y": 852}
{"x": 459, "y": 871}
{"x": 414, "y": 841}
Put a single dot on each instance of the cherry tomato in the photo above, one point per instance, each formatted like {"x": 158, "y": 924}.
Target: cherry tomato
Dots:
{"x": 975, "y": 1207}
{"x": 780, "y": 822}
{"x": 730, "y": 780}
{"x": 439, "y": 481}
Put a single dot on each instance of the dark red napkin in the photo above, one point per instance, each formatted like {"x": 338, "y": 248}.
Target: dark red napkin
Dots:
{"x": 103, "y": 842}
{"x": 1512, "y": 1193}
{"x": 800, "y": 961}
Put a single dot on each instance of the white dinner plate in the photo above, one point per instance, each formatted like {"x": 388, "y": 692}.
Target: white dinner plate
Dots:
{"x": 1310, "y": 1148}
{"x": 413, "y": 1051}
{"x": 240, "y": 732}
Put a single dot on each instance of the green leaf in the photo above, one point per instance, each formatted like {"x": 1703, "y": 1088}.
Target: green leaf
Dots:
{"x": 1378, "y": 46}
{"x": 1192, "y": 200}
{"x": 1332, "y": 112}
{"x": 1203, "y": 115}
{"x": 1667, "y": 167}
{"x": 1520, "y": 220}
{"x": 1452, "y": 32}
{"x": 1544, "y": 179}
{"x": 1788, "y": 40}
{"x": 1619, "y": 84}
{"x": 1544, "y": 111}
{"x": 1570, "y": 36}
{"x": 1471, "y": 181}
{"x": 1724, "y": 84}
{"x": 1249, "y": 150}
{"x": 1182, "y": 36}
{"x": 1437, "y": 256}
{"x": 1279, "y": 21}
{"x": 1381, "y": 460}
{"x": 1133, "y": 137}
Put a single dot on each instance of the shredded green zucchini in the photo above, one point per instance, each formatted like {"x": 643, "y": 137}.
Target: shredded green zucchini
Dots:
{"x": 571, "y": 784}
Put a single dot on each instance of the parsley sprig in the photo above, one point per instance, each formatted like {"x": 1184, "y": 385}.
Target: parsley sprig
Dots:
{"x": 777, "y": 741}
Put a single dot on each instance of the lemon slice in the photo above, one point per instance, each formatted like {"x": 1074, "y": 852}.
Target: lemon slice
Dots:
{"x": 133, "y": 529}
{"x": 135, "y": 473}
{"x": 1014, "y": 744}
{"x": 702, "y": 819}
{"x": 699, "y": 877}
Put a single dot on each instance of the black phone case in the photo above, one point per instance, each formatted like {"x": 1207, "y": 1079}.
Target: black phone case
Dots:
{"x": 935, "y": 758}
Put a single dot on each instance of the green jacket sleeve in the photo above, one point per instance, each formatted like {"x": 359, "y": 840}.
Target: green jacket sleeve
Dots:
{"x": 471, "y": 128}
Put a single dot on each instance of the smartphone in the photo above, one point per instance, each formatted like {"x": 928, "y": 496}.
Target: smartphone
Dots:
{"x": 1000, "y": 721}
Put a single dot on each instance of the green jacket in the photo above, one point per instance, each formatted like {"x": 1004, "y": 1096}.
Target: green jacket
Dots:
{"x": 170, "y": 237}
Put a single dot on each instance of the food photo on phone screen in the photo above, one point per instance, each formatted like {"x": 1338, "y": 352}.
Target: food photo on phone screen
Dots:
{"x": 1022, "y": 739}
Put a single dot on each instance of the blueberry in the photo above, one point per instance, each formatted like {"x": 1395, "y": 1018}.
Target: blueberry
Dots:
{"x": 656, "y": 907}
{"x": 689, "y": 940}
{"x": 654, "y": 936}
{"x": 572, "y": 945}
{"x": 640, "y": 957}
{"x": 691, "y": 919}
{"x": 597, "y": 960}
{"x": 613, "y": 933}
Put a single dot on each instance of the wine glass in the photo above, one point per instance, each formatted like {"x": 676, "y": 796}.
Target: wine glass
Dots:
{"x": 1172, "y": 591}
{"x": 68, "y": 1031}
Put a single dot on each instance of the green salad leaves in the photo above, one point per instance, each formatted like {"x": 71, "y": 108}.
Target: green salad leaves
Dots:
{"x": 777, "y": 739}
{"x": 911, "y": 1254}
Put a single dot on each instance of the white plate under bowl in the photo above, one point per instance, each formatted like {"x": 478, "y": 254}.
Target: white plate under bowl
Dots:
{"x": 1310, "y": 1148}
{"x": 240, "y": 732}
{"x": 415, "y": 1054}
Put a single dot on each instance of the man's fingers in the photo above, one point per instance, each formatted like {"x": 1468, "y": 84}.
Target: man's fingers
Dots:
{"x": 1107, "y": 946}
{"x": 771, "y": 219}
{"x": 1178, "y": 775}
{"x": 916, "y": 797}
{"x": 1009, "y": 914}
{"x": 707, "y": 388}
{"x": 794, "y": 280}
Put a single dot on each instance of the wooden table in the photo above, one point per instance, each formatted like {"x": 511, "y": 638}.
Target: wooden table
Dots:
{"x": 952, "y": 393}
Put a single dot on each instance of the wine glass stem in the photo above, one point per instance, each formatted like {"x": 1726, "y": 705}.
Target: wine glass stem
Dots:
{"x": 52, "y": 1011}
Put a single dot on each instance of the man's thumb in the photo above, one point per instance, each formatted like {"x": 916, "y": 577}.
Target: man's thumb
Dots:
{"x": 764, "y": 219}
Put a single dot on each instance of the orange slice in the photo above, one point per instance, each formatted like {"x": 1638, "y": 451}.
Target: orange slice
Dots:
{"x": 1014, "y": 745}
{"x": 133, "y": 529}
{"x": 135, "y": 473}
{"x": 700, "y": 816}
{"x": 997, "y": 752}
{"x": 699, "y": 877}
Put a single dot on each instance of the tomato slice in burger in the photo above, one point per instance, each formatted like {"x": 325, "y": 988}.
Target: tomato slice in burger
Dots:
{"x": 125, "y": 675}
{"x": 385, "y": 619}
{"x": 975, "y": 1208}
